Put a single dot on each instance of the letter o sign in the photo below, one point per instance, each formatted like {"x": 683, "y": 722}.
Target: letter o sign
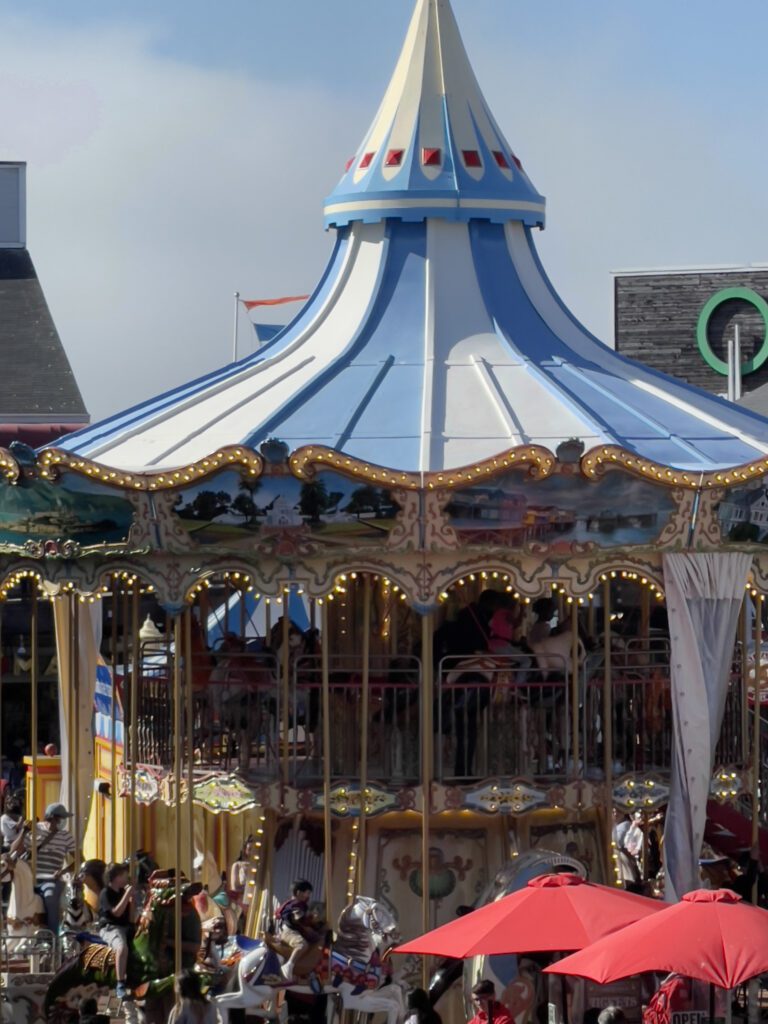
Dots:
{"x": 717, "y": 300}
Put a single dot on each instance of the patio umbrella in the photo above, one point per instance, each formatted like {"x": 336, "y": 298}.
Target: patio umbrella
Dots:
{"x": 553, "y": 913}
{"x": 711, "y": 934}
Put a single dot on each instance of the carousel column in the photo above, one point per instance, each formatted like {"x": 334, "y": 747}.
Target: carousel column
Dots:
{"x": 608, "y": 722}
{"x": 756, "y": 722}
{"x": 77, "y": 822}
{"x": 575, "y": 695}
{"x": 113, "y": 731}
{"x": 71, "y": 735}
{"x": 364, "y": 712}
{"x": 744, "y": 664}
{"x": 285, "y": 673}
{"x": 33, "y": 637}
{"x": 177, "y": 742}
{"x": 326, "y": 709}
{"x": 427, "y": 687}
{"x": 190, "y": 733}
{"x": 133, "y": 831}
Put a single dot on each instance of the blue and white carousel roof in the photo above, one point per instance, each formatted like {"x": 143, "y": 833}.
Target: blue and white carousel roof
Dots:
{"x": 434, "y": 340}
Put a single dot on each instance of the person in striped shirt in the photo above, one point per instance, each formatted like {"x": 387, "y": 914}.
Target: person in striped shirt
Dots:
{"x": 55, "y": 849}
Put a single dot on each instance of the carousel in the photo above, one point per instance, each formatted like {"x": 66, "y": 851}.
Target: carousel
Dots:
{"x": 432, "y": 583}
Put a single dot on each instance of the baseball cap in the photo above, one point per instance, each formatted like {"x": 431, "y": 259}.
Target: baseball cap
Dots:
{"x": 57, "y": 811}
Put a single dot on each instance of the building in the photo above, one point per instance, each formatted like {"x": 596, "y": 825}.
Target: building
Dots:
{"x": 39, "y": 396}
{"x": 679, "y": 322}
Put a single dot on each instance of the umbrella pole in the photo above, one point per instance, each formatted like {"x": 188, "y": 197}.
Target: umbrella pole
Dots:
{"x": 711, "y": 1003}
{"x": 564, "y": 996}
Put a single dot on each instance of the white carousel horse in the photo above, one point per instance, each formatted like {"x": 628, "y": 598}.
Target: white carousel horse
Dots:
{"x": 367, "y": 931}
{"x": 26, "y": 913}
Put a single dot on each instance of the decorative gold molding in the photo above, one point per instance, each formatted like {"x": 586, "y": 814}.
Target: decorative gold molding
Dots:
{"x": 53, "y": 460}
{"x": 9, "y": 467}
{"x": 304, "y": 462}
{"x": 598, "y": 460}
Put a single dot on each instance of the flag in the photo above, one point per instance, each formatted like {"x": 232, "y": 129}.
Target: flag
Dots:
{"x": 253, "y": 303}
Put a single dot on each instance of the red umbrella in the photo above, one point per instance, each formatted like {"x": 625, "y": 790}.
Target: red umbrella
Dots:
{"x": 551, "y": 914}
{"x": 711, "y": 935}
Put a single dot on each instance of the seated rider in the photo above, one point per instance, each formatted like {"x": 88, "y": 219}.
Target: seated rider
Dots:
{"x": 116, "y": 902}
{"x": 213, "y": 954}
{"x": 295, "y": 929}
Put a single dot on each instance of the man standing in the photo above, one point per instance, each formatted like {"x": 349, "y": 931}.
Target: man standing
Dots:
{"x": 55, "y": 849}
{"x": 296, "y": 929}
{"x": 487, "y": 1009}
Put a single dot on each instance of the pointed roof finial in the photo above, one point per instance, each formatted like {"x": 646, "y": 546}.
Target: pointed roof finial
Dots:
{"x": 434, "y": 148}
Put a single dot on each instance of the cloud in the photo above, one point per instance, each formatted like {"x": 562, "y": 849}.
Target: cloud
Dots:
{"x": 155, "y": 190}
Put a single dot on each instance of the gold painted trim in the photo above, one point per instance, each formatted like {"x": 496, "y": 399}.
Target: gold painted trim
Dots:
{"x": 53, "y": 460}
{"x": 596, "y": 460}
{"x": 9, "y": 467}
{"x": 304, "y": 461}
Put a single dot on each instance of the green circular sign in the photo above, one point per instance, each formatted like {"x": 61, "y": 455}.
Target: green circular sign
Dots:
{"x": 719, "y": 365}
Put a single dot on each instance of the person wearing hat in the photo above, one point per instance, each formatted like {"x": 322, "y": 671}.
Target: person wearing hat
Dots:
{"x": 55, "y": 849}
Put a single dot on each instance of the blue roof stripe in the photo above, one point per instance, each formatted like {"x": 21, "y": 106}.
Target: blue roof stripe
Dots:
{"x": 83, "y": 441}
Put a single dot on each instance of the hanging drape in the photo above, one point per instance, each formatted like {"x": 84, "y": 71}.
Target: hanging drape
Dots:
{"x": 704, "y": 593}
{"x": 76, "y": 730}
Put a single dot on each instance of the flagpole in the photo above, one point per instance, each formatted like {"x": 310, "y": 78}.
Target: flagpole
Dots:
{"x": 234, "y": 328}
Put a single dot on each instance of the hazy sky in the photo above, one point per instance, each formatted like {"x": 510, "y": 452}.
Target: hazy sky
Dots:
{"x": 181, "y": 150}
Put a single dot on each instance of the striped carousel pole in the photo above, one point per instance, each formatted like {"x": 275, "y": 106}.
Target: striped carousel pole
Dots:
{"x": 364, "y": 714}
{"x": 177, "y": 745}
{"x": 608, "y": 722}
{"x": 327, "y": 820}
{"x": 427, "y": 700}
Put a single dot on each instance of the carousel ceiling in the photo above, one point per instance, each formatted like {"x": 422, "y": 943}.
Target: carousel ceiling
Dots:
{"x": 434, "y": 340}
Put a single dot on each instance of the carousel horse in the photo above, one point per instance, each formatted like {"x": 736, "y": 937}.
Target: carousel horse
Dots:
{"x": 25, "y": 914}
{"x": 82, "y": 897}
{"x": 516, "y": 979}
{"x": 150, "y": 967}
{"x": 360, "y": 975}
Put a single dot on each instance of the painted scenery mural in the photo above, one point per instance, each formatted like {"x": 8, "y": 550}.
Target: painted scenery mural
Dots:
{"x": 514, "y": 510}
{"x": 330, "y": 508}
{"x": 75, "y": 509}
{"x": 743, "y": 514}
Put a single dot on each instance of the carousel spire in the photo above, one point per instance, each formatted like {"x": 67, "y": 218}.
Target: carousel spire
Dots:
{"x": 434, "y": 148}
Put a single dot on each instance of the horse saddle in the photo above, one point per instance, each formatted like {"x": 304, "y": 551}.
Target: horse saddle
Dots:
{"x": 98, "y": 957}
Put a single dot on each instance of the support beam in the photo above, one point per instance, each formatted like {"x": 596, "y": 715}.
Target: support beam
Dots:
{"x": 608, "y": 723}
{"x": 575, "y": 696}
{"x": 190, "y": 745}
{"x": 34, "y": 742}
{"x": 364, "y": 715}
{"x": 177, "y": 745}
{"x": 135, "y": 653}
{"x": 427, "y": 702}
{"x": 327, "y": 820}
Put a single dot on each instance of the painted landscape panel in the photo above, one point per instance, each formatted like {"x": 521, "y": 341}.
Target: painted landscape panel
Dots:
{"x": 618, "y": 510}
{"x": 330, "y": 509}
{"x": 743, "y": 514}
{"x": 74, "y": 508}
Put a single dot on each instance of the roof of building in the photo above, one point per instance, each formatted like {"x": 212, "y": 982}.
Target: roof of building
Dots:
{"x": 433, "y": 341}
{"x": 37, "y": 384}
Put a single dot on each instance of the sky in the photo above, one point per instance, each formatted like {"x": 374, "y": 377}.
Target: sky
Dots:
{"x": 180, "y": 151}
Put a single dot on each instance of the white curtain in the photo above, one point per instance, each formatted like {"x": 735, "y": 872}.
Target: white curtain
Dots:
{"x": 82, "y": 744}
{"x": 704, "y": 593}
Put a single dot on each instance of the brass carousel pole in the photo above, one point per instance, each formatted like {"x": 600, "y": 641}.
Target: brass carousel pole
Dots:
{"x": 756, "y": 727}
{"x": 113, "y": 733}
{"x": 364, "y": 714}
{"x": 744, "y": 635}
{"x": 427, "y": 687}
{"x": 327, "y": 821}
{"x": 133, "y": 811}
{"x": 177, "y": 744}
{"x": 188, "y": 676}
{"x": 608, "y": 720}
{"x": 575, "y": 701}
{"x": 75, "y": 732}
{"x": 34, "y": 742}
{"x": 71, "y": 740}
{"x": 285, "y": 672}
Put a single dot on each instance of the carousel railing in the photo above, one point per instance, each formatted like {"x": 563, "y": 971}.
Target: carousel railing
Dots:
{"x": 235, "y": 711}
{"x": 642, "y": 723}
{"x": 391, "y": 730}
{"x": 502, "y": 715}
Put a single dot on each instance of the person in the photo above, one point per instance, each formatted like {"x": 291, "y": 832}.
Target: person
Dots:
{"x": 11, "y": 823}
{"x": 488, "y": 1009}
{"x": 116, "y": 902}
{"x": 240, "y": 872}
{"x": 420, "y": 1010}
{"x": 191, "y": 930}
{"x": 55, "y": 850}
{"x": 192, "y": 1006}
{"x": 213, "y": 954}
{"x": 612, "y": 1015}
{"x": 296, "y": 929}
